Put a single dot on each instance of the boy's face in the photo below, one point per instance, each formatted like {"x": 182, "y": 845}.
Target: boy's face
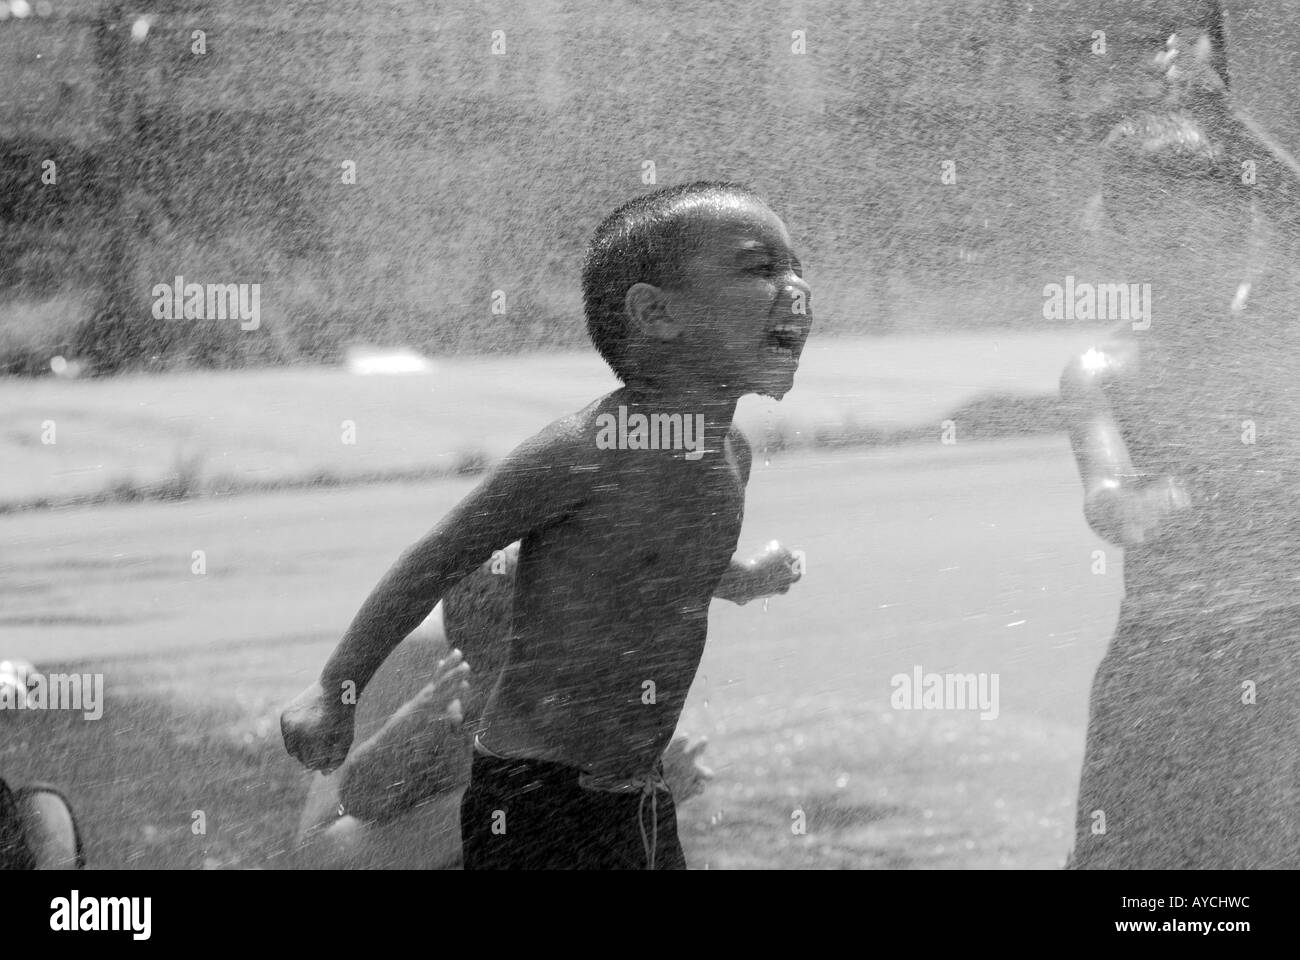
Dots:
{"x": 741, "y": 300}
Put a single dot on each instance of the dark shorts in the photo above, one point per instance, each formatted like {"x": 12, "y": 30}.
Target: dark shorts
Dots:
{"x": 533, "y": 815}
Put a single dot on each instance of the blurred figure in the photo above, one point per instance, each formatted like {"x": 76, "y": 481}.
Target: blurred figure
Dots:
{"x": 1187, "y": 437}
{"x": 38, "y": 830}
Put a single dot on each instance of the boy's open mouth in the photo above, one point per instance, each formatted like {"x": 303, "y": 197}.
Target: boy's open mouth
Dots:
{"x": 785, "y": 341}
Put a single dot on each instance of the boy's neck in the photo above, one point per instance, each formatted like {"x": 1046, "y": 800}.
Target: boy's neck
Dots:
{"x": 658, "y": 397}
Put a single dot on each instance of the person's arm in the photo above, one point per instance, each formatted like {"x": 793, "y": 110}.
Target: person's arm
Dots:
{"x": 773, "y": 570}
{"x": 532, "y": 488}
{"x": 1121, "y": 504}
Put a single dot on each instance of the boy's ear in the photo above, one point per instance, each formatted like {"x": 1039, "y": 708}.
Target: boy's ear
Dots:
{"x": 647, "y": 307}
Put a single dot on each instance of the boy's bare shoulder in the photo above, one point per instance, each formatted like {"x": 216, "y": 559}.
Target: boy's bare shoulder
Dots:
{"x": 563, "y": 443}
{"x": 543, "y": 478}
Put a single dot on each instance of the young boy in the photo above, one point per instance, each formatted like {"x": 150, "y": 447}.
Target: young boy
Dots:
{"x": 695, "y": 298}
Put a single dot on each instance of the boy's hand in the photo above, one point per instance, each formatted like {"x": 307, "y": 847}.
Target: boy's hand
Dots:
{"x": 770, "y": 573}
{"x": 317, "y": 728}
{"x": 685, "y": 775}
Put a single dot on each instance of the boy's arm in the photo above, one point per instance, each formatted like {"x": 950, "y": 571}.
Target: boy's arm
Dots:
{"x": 534, "y": 487}
{"x": 772, "y": 571}
{"x": 1120, "y": 504}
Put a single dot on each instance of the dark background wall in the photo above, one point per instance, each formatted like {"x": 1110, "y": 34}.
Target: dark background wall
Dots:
{"x": 478, "y": 172}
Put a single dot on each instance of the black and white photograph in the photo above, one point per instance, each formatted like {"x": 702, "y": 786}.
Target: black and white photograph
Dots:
{"x": 746, "y": 435}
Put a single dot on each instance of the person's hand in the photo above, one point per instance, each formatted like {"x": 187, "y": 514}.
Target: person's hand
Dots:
{"x": 317, "y": 728}
{"x": 1137, "y": 509}
{"x": 685, "y": 775}
{"x": 773, "y": 571}
{"x": 441, "y": 696}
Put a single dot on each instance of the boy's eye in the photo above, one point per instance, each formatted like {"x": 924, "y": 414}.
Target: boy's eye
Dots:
{"x": 774, "y": 268}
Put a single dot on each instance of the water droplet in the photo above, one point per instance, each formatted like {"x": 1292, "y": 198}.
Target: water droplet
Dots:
{"x": 765, "y": 604}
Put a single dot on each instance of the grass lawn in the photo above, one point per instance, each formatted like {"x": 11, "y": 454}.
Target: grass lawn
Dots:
{"x": 874, "y": 793}
{"x": 137, "y": 777}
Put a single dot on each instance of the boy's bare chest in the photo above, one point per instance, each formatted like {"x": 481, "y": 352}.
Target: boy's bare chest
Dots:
{"x": 677, "y": 507}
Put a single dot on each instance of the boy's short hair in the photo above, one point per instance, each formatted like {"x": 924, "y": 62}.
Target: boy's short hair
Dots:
{"x": 644, "y": 241}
